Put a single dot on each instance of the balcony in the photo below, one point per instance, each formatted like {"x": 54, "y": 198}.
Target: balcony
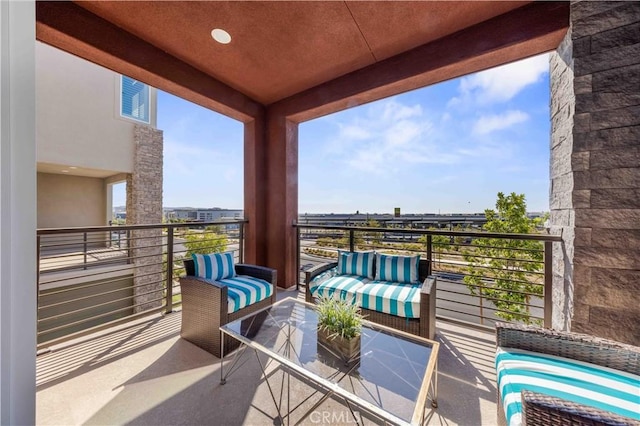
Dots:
{"x": 109, "y": 325}
{"x": 143, "y": 373}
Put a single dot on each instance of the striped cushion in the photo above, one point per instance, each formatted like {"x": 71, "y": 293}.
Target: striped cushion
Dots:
{"x": 214, "y": 266}
{"x": 243, "y": 290}
{"x": 392, "y": 298}
{"x": 400, "y": 269}
{"x": 340, "y": 287}
{"x": 356, "y": 263}
{"x": 581, "y": 382}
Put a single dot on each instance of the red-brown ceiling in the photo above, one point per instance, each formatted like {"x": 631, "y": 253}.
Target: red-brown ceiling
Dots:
{"x": 300, "y": 59}
{"x": 281, "y": 48}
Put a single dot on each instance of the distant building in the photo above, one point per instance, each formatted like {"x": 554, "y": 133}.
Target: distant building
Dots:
{"x": 203, "y": 215}
{"x": 417, "y": 221}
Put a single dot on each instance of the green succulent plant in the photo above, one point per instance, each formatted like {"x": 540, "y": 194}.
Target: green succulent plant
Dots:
{"x": 339, "y": 318}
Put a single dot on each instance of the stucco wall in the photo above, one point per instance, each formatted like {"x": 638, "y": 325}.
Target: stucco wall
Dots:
{"x": 78, "y": 118}
{"x": 65, "y": 201}
{"x": 17, "y": 214}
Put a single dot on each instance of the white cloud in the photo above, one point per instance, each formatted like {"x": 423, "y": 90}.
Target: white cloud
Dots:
{"x": 389, "y": 135}
{"x": 355, "y": 132}
{"x": 502, "y": 83}
{"x": 393, "y": 111}
{"x": 490, "y": 123}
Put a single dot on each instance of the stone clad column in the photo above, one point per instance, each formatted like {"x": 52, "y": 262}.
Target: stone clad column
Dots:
{"x": 599, "y": 166}
{"x": 562, "y": 201}
{"x": 144, "y": 206}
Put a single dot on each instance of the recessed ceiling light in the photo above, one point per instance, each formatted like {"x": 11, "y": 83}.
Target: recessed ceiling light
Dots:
{"x": 72, "y": 167}
{"x": 65, "y": 171}
{"x": 221, "y": 36}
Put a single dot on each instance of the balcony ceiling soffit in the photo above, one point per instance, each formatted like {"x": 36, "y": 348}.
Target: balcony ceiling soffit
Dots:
{"x": 69, "y": 170}
{"x": 279, "y": 49}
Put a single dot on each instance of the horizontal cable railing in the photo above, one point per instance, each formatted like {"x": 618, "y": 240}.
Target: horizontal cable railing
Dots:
{"x": 482, "y": 277}
{"x": 92, "y": 277}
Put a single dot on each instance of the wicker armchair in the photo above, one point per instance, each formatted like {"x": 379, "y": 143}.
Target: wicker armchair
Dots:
{"x": 204, "y": 307}
{"x": 425, "y": 326}
{"x": 540, "y": 409}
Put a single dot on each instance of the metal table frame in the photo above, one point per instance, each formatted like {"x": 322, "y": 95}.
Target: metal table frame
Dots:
{"x": 331, "y": 388}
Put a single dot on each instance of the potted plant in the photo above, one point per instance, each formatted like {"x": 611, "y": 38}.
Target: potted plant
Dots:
{"x": 339, "y": 327}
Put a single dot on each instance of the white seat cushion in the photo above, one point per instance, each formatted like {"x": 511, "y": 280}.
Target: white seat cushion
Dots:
{"x": 340, "y": 287}
{"x": 243, "y": 290}
{"x": 393, "y": 298}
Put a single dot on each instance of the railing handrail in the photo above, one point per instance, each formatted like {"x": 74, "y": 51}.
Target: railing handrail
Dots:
{"x": 545, "y": 241}
{"x": 106, "y": 228}
{"x": 509, "y": 236}
{"x": 83, "y": 302}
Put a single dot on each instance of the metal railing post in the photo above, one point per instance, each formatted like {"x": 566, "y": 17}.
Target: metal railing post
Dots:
{"x": 481, "y": 305}
{"x": 85, "y": 250}
{"x": 548, "y": 283}
{"x": 298, "y": 257}
{"x": 430, "y": 254}
{"x": 351, "y": 240}
{"x": 38, "y": 242}
{"x": 241, "y": 243}
{"x": 129, "y": 260}
{"x": 169, "y": 304}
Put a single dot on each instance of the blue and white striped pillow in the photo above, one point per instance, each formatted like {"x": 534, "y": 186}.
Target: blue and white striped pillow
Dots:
{"x": 401, "y": 269}
{"x": 214, "y": 266}
{"x": 358, "y": 263}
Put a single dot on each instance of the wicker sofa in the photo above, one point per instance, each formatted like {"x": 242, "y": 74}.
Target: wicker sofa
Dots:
{"x": 423, "y": 326}
{"x": 205, "y": 306}
{"x": 543, "y": 409}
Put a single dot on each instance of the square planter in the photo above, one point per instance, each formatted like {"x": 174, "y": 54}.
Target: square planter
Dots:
{"x": 346, "y": 349}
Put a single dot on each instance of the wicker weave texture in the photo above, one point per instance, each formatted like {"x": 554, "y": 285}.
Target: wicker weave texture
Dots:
{"x": 581, "y": 347}
{"x": 205, "y": 304}
{"x": 539, "y": 409}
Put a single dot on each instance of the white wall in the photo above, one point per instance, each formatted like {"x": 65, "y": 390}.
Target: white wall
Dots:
{"x": 17, "y": 213}
{"x": 65, "y": 201}
{"x": 78, "y": 113}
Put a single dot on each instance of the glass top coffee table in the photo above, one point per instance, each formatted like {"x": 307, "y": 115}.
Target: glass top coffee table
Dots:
{"x": 392, "y": 379}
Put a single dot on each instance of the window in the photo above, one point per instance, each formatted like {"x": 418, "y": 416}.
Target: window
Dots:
{"x": 134, "y": 99}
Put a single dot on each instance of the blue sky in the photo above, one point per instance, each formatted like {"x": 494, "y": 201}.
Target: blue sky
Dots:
{"x": 446, "y": 148}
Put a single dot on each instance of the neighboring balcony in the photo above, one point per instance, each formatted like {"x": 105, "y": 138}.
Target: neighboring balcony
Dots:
{"x": 110, "y": 350}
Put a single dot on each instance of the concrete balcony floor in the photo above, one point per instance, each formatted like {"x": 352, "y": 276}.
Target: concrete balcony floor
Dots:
{"x": 142, "y": 373}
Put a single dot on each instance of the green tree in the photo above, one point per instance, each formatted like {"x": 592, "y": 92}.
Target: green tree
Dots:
{"x": 501, "y": 269}
{"x": 439, "y": 244}
{"x": 205, "y": 242}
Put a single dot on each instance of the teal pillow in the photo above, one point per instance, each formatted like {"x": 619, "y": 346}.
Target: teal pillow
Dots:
{"x": 214, "y": 266}
{"x": 401, "y": 269}
{"x": 358, "y": 263}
